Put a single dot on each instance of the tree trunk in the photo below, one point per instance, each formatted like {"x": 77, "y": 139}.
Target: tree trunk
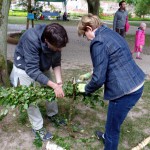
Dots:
{"x": 4, "y": 9}
{"x": 93, "y": 6}
{"x": 29, "y": 11}
{"x": 29, "y": 5}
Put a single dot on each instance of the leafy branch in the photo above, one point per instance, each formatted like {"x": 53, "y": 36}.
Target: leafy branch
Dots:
{"x": 23, "y": 96}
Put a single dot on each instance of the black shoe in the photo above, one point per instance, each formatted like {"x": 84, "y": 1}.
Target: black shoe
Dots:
{"x": 58, "y": 121}
{"x": 100, "y": 136}
{"x": 42, "y": 134}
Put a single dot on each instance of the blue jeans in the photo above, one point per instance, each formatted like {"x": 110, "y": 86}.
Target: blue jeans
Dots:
{"x": 117, "y": 112}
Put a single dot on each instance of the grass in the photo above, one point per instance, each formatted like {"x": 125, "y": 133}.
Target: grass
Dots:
{"x": 131, "y": 38}
{"x": 139, "y": 19}
{"x": 17, "y": 13}
{"x": 134, "y": 127}
{"x": 137, "y": 23}
{"x": 23, "y": 20}
{"x": 85, "y": 121}
{"x": 88, "y": 120}
{"x": 16, "y": 20}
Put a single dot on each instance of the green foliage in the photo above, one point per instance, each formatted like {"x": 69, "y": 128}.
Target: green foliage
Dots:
{"x": 23, "y": 96}
{"x": 146, "y": 93}
{"x": 61, "y": 141}
{"x": 133, "y": 2}
{"x": 100, "y": 11}
{"x": 93, "y": 99}
{"x": 22, "y": 119}
{"x": 142, "y": 8}
{"x": 37, "y": 141}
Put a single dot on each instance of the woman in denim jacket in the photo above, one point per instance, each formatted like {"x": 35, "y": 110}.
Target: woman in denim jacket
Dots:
{"x": 114, "y": 67}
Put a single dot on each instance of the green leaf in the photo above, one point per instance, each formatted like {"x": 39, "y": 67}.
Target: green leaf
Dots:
{"x": 26, "y": 106}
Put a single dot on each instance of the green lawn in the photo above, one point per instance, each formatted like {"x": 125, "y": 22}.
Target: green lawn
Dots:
{"x": 131, "y": 39}
{"x": 17, "y": 13}
{"x": 85, "y": 121}
{"x": 137, "y": 23}
{"x": 22, "y": 20}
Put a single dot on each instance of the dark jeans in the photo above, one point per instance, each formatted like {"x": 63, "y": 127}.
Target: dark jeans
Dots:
{"x": 121, "y": 32}
{"x": 117, "y": 112}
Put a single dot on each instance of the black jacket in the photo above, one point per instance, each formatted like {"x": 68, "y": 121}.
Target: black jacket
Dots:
{"x": 33, "y": 55}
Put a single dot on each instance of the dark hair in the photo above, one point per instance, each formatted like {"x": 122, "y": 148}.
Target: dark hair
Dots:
{"x": 120, "y": 3}
{"x": 56, "y": 35}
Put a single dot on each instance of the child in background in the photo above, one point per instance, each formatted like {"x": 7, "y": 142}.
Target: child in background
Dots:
{"x": 139, "y": 40}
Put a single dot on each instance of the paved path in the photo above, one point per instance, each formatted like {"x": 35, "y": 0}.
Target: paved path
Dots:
{"x": 76, "y": 54}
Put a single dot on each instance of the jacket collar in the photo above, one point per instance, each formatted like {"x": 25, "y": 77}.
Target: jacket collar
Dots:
{"x": 100, "y": 29}
{"x": 97, "y": 32}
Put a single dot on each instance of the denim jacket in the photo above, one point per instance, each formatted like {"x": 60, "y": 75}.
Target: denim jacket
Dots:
{"x": 113, "y": 65}
{"x": 33, "y": 55}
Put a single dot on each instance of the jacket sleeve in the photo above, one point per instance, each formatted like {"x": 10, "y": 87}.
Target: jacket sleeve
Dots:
{"x": 114, "y": 22}
{"x": 56, "y": 59}
{"x": 32, "y": 59}
{"x": 100, "y": 62}
{"x": 138, "y": 38}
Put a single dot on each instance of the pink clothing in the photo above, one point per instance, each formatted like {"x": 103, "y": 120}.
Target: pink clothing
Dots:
{"x": 139, "y": 40}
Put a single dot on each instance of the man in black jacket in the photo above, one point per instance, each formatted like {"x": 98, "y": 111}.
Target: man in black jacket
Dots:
{"x": 38, "y": 50}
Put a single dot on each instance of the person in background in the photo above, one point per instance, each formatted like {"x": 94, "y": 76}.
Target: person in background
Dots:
{"x": 120, "y": 19}
{"x": 65, "y": 16}
{"x": 38, "y": 50}
{"x": 139, "y": 40}
{"x": 113, "y": 67}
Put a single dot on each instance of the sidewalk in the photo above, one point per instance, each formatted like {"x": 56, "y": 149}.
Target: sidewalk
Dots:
{"x": 76, "y": 54}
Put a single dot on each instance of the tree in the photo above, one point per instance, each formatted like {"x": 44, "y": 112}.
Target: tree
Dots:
{"x": 93, "y": 6}
{"x": 28, "y": 7}
{"x": 4, "y": 9}
{"x": 142, "y": 8}
{"x": 131, "y": 2}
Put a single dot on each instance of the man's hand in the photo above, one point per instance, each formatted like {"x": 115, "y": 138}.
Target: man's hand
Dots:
{"x": 59, "y": 93}
{"x": 81, "y": 87}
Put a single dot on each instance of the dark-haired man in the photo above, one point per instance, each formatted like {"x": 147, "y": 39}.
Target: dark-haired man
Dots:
{"x": 120, "y": 19}
{"x": 38, "y": 50}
